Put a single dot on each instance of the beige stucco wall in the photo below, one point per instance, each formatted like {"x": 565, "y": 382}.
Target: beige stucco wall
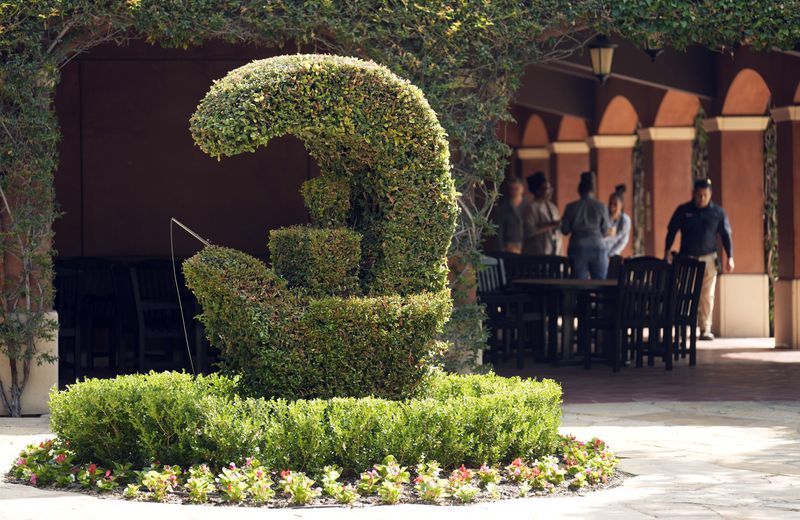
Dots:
{"x": 741, "y": 309}
{"x": 43, "y": 377}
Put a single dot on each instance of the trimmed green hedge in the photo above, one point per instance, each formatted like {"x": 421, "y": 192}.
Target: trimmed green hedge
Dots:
{"x": 178, "y": 419}
{"x": 286, "y": 345}
{"x": 323, "y": 262}
{"x": 365, "y": 126}
{"x": 328, "y": 200}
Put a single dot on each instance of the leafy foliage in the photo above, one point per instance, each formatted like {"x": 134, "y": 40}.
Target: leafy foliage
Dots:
{"x": 285, "y": 345}
{"x": 321, "y": 262}
{"x": 467, "y": 56}
{"x": 457, "y": 420}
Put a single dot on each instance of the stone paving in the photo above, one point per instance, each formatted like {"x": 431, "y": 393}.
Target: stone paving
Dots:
{"x": 690, "y": 459}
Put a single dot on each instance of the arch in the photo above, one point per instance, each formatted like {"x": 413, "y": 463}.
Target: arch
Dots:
{"x": 677, "y": 109}
{"x": 748, "y": 94}
{"x": 374, "y": 136}
{"x": 572, "y": 128}
{"x": 535, "y": 133}
{"x": 619, "y": 117}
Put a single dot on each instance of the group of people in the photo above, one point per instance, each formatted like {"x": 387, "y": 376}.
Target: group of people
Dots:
{"x": 598, "y": 232}
{"x": 535, "y": 226}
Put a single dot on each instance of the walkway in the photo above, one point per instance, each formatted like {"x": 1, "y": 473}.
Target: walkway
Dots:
{"x": 691, "y": 459}
{"x": 727, "y": 370}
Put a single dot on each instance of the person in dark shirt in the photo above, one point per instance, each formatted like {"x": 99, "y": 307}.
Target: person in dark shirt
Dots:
{"x": 700, "y": 221}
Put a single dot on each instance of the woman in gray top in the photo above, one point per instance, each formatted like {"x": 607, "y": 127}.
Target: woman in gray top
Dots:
{"x": 586, "y": 220}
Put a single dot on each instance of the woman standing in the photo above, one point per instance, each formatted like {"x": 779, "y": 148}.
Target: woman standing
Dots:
{"x": 586, "y": 220}
{"x": 509, "y": 217}
{"x": 619, "y": 230}
{"x": 541, "y": 219}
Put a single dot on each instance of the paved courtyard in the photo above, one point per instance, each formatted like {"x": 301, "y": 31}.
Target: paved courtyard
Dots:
{"x": 693, "y": 453}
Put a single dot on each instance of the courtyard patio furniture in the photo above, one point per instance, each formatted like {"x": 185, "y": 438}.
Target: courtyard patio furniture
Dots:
{"x": 688, "y": 281}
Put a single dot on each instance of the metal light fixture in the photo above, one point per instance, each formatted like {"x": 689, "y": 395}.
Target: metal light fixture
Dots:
{"x": 601, "y": 51}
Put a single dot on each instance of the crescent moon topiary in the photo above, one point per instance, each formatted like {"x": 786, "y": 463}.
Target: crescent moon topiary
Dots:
{"x": 351, "y": 304}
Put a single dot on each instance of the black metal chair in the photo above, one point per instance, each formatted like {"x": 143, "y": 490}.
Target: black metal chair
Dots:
{"x": 688, "y": 282}
{"x": 641, "y": 325}
{"x": 504, "y": 310}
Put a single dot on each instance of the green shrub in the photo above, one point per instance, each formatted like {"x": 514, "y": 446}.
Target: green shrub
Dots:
{"x": 182, "y": 420}
{"x": 328, "y": 200}
{"x": 287, "y": 346}
{"x": 365, "y": 126}
{"x": 323, "y": 262}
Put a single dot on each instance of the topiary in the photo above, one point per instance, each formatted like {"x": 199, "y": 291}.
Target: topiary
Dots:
{"x": 385, "y": 175}
{"x": 322, "y": 261}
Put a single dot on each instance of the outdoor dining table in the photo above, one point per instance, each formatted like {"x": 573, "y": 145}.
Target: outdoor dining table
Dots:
{"x": 567, "y": 298}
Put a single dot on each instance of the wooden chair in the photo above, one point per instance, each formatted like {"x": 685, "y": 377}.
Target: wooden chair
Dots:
{"x": 687, "y": 284}
{"x": 504, "y": 310}
{"x": 161, "y": 336}
{"x": 643, "y": 309}
{"x": 67, "y": 285}
{"x": 543, "y": 313}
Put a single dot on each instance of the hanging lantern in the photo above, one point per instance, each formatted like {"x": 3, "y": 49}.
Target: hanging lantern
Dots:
{"x": 601, "y": 52}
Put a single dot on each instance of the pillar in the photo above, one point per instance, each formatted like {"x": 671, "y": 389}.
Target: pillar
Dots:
{"x": 568, "y": 159}
{"x": 531, "y": 160}
{"x": 612, "y": 159}
{"x": 667, "y": 164}
{"x": 736, "y": 168}
{"x": 787, "y": 288}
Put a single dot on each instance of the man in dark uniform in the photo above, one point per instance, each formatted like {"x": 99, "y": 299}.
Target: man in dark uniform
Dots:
{"x": 700, "y": 221}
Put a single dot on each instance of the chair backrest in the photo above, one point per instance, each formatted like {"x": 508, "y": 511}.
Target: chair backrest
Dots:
{"x": 490, "y": 275}
{"x": 688, "y": 281}
{"x": 67, "y": 285}
{"x": 538, "y": 266}
{"x": 644, "y": 292}
{"x": 614, "y": 267}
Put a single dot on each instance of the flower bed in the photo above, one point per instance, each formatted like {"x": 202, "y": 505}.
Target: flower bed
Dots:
{"x": 576, "y": 466}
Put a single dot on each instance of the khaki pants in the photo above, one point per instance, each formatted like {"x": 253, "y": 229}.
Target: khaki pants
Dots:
{"x": 706, "y": 307}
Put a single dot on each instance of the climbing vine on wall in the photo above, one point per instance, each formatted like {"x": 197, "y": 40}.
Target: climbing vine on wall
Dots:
{"x": 468, "y": 57}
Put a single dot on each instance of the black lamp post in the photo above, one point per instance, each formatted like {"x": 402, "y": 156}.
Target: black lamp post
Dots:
{"x": 601, "y": 51}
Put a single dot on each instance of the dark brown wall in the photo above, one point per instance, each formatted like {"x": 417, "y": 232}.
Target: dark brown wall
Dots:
{"x": 128, "y": 162}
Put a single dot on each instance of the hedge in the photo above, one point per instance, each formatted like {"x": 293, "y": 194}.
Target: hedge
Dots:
{"x": 364, "y": 125}
{"x": 322, "y": 262}
{"x": 178, "y": 419}
{"x": 287, "y": 345}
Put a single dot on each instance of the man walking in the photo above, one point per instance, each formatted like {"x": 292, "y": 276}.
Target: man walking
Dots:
{"x": 700, "y": 221}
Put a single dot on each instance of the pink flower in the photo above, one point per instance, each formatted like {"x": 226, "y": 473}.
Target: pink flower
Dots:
{"x": 517, "y": 472}
{"x": 248, "y": 461}
{"x": 34, "y": 479}
{"x": 108, "y": 473}
{"x": 419, "y": 479}
{"x": 60, "y": 458}
{"x": 536, "y": 472}
{"x": 516, "y": 462}
{"x": 21, "y": 462}
{"x": 286, "y": 474}
{"x": 484, "y": 468}
{"x": 259, "y": 474}
{"x": 232, "y": 466}
{"x": 91, "y": 469}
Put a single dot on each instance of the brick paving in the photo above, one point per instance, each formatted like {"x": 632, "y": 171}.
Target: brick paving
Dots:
{"x": 727, "y": 370}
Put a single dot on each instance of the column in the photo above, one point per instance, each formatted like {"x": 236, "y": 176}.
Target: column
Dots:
{"x": 533, "y": 159}
{"x": 568, "y": 159}
{"x": 612, "y": 159}
{"x": 736, "y": 168}
{"x": 787, "y": 289}
{"x": 667, "y": 164}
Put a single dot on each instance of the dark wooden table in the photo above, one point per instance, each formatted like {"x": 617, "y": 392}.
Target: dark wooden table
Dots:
{"x": 565, "y": 297}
